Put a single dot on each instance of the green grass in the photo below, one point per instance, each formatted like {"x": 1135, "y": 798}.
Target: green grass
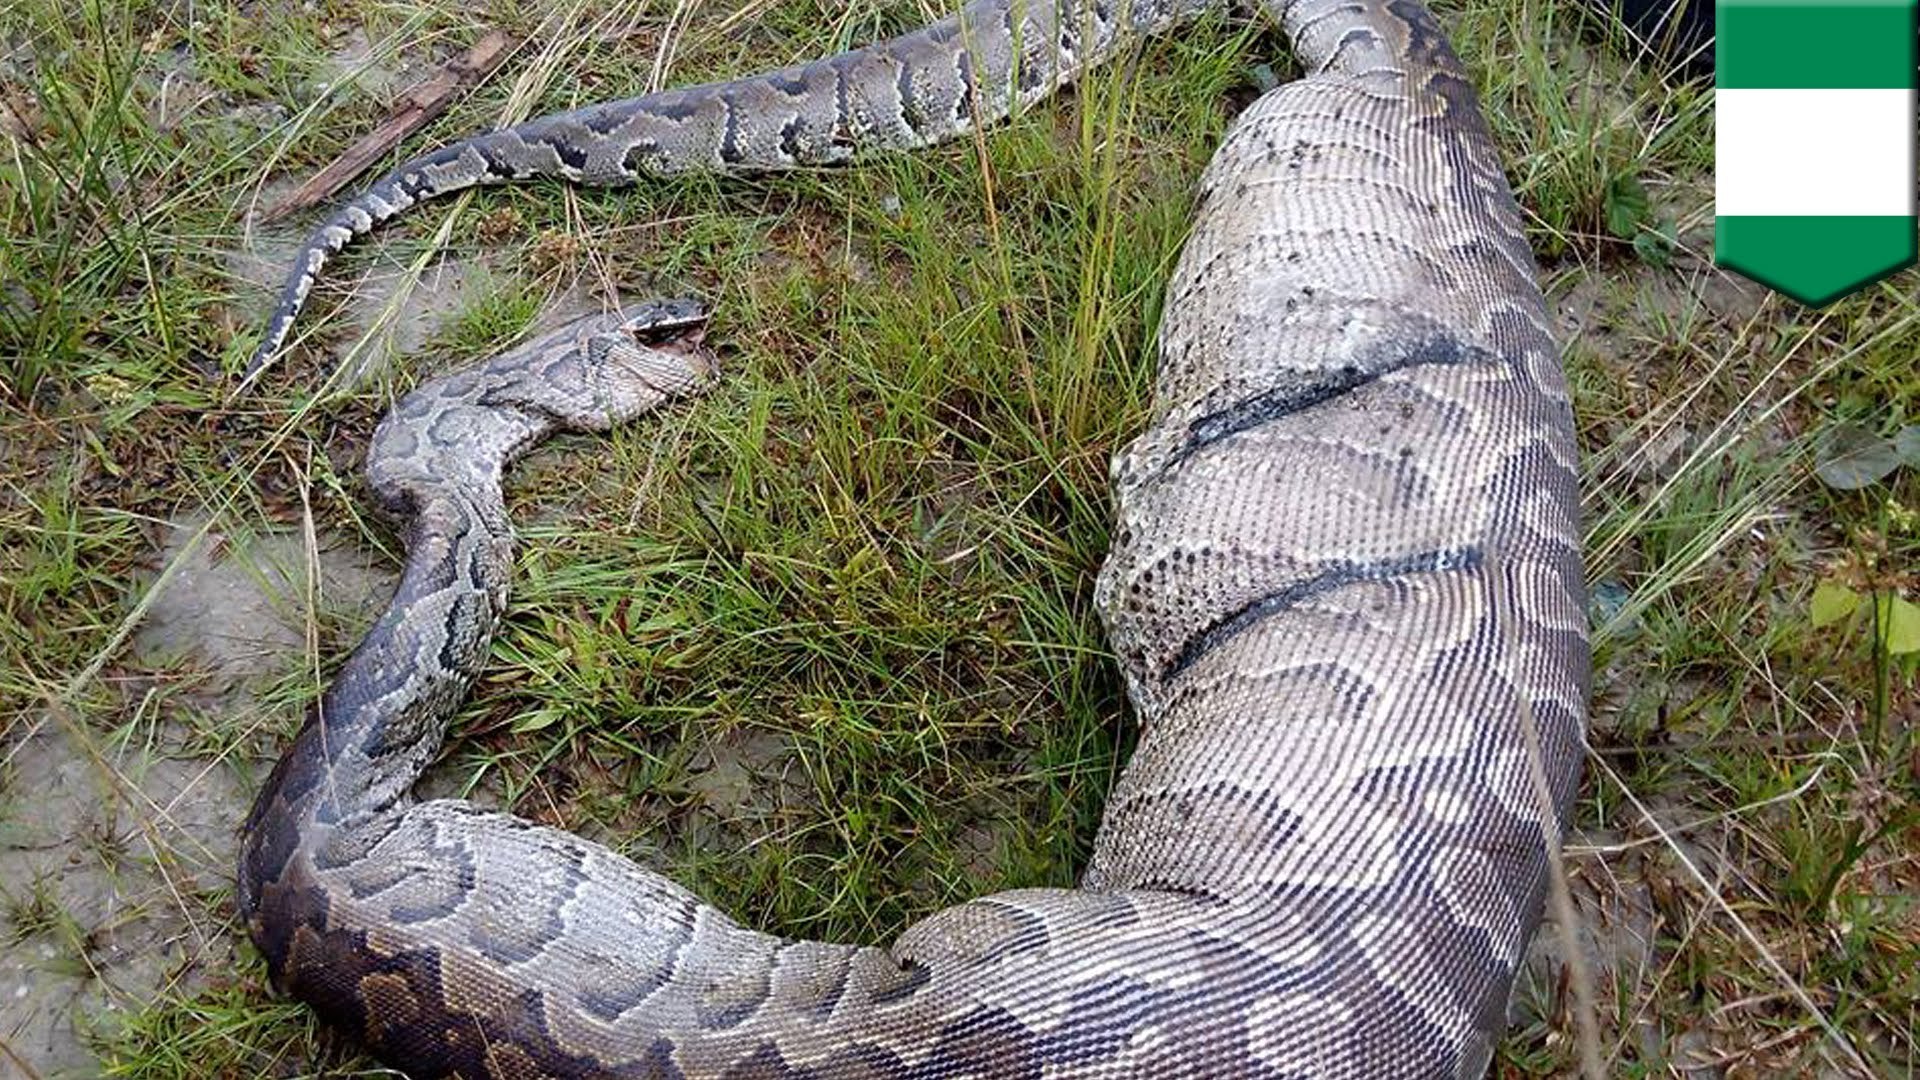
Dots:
{"x": 820, "y": 643}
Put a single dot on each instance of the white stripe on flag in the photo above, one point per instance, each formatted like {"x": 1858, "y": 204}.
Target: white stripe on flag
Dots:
{"x": 1813, "y": 152}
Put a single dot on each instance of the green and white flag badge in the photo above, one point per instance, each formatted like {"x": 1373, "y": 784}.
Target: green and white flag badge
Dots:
{"x": 1814, "y": 143}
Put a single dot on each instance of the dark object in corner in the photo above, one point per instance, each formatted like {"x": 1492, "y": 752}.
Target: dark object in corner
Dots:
{"x": 1674, "y": 35}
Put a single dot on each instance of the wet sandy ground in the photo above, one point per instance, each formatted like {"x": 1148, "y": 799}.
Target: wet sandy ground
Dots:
{"x": 109, "y": 840}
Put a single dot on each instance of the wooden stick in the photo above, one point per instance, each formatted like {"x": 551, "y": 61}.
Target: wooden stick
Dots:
{"x": 421, "y": 103}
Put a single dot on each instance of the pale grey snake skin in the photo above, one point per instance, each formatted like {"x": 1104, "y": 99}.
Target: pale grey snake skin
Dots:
{"x": 1345, "y": 592}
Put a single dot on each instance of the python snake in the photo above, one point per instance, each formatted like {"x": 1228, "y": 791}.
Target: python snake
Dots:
{"x": 1344, "y": 590}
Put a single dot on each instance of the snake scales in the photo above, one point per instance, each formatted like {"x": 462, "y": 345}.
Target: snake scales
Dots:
{"x": 1344, "y": 590}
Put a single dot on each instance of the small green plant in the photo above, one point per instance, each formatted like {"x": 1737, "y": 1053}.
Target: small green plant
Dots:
{"x": 1852, "y": 459}
{"x": 1631, "y": 217}
{"x": 1864, "y": 600}
{"x": 1896, "y": 620}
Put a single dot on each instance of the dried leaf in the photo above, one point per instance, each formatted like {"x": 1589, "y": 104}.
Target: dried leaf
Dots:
{"x": 1855, "y": 457}
{"x": 1906, "y": 444}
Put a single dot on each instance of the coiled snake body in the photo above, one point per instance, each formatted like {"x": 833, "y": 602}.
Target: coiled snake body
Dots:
{"x": 1344, "y": 590}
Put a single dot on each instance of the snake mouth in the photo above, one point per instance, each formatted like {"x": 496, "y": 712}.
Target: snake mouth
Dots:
{"x": 684, "y": 340}
{"x": 672, "y": 329}
{"x": 675, "y": 325}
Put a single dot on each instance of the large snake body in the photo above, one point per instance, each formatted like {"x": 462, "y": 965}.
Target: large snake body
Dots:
{"x": 1344, "y": 590}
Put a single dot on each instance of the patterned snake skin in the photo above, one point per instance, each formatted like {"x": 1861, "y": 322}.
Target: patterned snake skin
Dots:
{"x": 1344, "y": 590}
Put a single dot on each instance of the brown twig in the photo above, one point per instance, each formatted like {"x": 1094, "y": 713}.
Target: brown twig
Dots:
{"x": 418, "y": 105}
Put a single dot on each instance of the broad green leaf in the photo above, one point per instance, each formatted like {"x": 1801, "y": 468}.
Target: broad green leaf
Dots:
{"x": 1900, "y": 621}
{"x": 1855, "y": 457}
{"x": 1833, "y": 602}
{"x": 1655, "y": 245}
{"x": 1628, "y": 208}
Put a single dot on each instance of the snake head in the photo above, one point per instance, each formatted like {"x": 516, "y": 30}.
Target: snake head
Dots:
{"x": 627, "y": 360}
{"x": 646, "y": 335}
{"x": 661, "y": 336}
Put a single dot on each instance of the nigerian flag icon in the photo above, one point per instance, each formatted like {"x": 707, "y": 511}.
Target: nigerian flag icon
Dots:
{"x": 1814, "y": 143}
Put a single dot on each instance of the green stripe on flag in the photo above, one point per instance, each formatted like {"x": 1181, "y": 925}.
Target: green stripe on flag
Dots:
{"x": 1851, "y": 45}
{"x": 1824, "y": 255}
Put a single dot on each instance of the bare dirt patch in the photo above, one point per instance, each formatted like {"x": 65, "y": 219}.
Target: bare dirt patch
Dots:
{"x": 110, "y": 840}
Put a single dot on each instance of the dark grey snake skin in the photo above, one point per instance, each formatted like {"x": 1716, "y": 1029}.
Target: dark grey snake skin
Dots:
{"x": 1345, "y": 592}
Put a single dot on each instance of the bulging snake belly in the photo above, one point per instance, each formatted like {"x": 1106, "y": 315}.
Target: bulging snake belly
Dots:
{"x": 1344, "y": 590}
